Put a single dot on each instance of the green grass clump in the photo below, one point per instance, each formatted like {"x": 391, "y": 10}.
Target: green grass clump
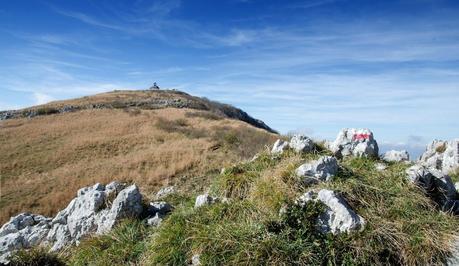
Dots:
{"x": 35, "y": 257}
{"x": 402, "y": 224}
{"x": 123, "y": 245}
{"x": 236, "y": 181}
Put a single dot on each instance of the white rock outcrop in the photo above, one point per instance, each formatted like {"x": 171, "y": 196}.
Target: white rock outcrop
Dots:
{"x": 22, "y": 231}
{"x": 438, "y": 186}
{"x": 338, "y": 216}
{"x": 442, "y": 155}
{"x": 396, "y": 156}
{"x": 96, "y": 209}
{"x": 319, "y": 170}
{"x": 279, "y": 146}
{"x": 355, "y": 142}
{"x": 301, "y": 143}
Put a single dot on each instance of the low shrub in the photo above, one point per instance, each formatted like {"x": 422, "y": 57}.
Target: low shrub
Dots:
{"x": 47, "y": 111}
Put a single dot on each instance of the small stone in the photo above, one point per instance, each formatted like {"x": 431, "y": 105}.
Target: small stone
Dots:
{"x": 396, "y": 156}
{"x": 380, "y": 166}
{"x": 165, "y": 191}
{"x": 279, "y": 146}
{"x": 204, "y": 199}
{"x": 338, "y": 216}
{"x": 300, "y": 143}
{"x": 319, "y": 170}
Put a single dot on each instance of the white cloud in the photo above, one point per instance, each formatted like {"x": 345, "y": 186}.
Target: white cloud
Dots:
{"x": 41, "y": 98}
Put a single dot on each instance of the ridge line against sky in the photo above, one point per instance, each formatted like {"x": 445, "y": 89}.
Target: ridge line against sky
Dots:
{"x": 306, "y": 66}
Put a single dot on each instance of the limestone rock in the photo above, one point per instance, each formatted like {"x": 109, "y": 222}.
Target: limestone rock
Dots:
{"x": 438, "y": 187}
{"x": 319, "y": 170}
{"x": 442, "y": 155}
{"x": 156, "y": 220}
{"x": 157, "y": 211}
{"x": 279, "y": 146}
{"x": 355, "y": 142}
{"x": 300, "y": 143}
{"x": 128, "y": 203}
{"x": 195, "y": 260}
{"x": 451, "y": 157}
{"x": 165, "y": 191}
{"x": 92, "y": 211}
{"x": 396, "y": 156}
{"x": 380, "y": 166}
{"x": 205, "y": 199}
{"x": 22, "y": 231}
{"x": 338, "y": 216}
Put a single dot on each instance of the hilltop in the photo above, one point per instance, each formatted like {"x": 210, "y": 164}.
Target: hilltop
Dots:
{"x": 152, "y": 138}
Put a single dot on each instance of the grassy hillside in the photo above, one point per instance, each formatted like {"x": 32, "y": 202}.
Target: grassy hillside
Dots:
{"x": 45, "y": 159}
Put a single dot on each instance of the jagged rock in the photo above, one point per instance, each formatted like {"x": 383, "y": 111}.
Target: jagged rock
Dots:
{"x": 165, "y": 191}
{"x": 128, "y": 203}
{"x": 338, "y": 216}
{"x": 159, "y": 207}
{"x": 22, "y": 231}
{"x": 205, "y": 199}
{"x": 451, "y": 157}
{"x": 319, "y": 170}
{"x": 59, "y": 237}
{"x": 279, "y": 146}
{"x": 396, "y": 156}
{"x": 300, "y": 143}
{"x": 438, "y": 187}
{"x": 90, "y": 212}
{"x": 380, "y": 166}
{"x": 157, "y": 211}
{"x": 442, "y": 155}
{"x": 155, "y": 220}
{"x": 355, "y": 142}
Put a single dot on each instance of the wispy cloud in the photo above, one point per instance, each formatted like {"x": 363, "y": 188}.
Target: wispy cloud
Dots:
{"x": 397, "y": 75}
{"x": 41, "y": 98}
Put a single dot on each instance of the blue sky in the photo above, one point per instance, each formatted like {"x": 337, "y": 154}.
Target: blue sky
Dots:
{"x": 309, "y": 66}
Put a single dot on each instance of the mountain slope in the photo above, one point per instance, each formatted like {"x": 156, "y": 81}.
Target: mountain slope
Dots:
{"x": 45, "y": 159}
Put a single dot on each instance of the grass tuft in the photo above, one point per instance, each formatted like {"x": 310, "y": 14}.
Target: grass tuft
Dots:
{"x": 123, "y": 245}
{"x": 35, "y": 257}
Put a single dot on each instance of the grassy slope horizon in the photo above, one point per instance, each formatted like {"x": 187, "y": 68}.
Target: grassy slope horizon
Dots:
{"x": 46, "y": 159}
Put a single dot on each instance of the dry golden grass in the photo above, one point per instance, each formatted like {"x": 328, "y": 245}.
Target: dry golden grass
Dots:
{"x": 118, "y": 96}
{"x": 44, "y": 160}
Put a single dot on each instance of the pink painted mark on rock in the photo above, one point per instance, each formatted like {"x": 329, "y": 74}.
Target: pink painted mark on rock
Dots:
{"x": 361, "y": 136}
